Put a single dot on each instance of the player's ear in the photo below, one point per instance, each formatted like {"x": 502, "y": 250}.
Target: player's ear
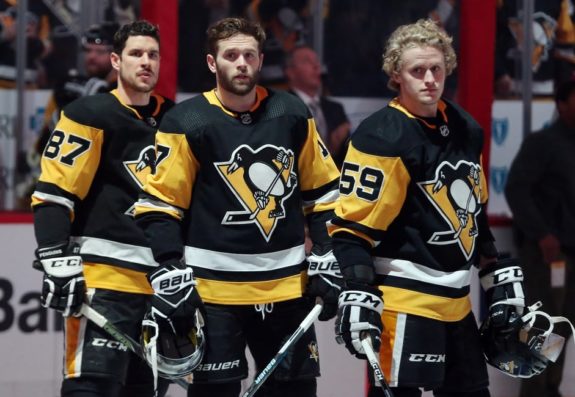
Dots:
{"x": 211, "y": 61}
{"x": 116, "y": 60}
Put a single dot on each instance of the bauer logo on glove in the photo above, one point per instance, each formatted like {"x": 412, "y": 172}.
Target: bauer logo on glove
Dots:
{"x": 169, "y": 281}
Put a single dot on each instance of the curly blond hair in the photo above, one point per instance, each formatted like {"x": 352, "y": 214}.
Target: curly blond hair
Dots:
{"x": 422, "y": 33}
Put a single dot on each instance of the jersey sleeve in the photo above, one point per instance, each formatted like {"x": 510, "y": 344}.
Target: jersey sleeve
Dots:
{"x": 372, "y": 190}
{"x": 319, "y": 179}
{"x": 319, "y": 175}
{"x": 167, "y": 193}
{"x": 69, "y": 163}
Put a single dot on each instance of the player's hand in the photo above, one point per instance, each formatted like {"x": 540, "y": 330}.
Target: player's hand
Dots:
{"x": 175, "y": 294}
{"x": 63, "y": 285}
{"x": 324, "y": 281}
{"x": 502, "y": 282}
{"x": 359, "y": 315}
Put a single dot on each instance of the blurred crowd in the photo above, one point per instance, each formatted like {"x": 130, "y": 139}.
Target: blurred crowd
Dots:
{"x": 351, "y": 47}
{"x": 69, "y": 56}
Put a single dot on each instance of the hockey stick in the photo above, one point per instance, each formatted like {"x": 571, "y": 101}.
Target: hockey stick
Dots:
{"x": 94, "y": 316}
{"x": 280, "y": 355}
{"x": 374, "y": 364}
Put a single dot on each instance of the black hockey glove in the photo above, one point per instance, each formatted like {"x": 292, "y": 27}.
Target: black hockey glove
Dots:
{"x": 324, "y": 281}
{"x": 359, "y": 311}
{"x": 63, "y": 286}
{"x": 502, "y": 282}
{"x": 175, "y": 296}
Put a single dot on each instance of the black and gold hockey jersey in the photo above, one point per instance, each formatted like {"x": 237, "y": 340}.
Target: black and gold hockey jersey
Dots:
{"x": 241, "y": 185}
{"x": 412, "y": 198}
{"x": 94, "y": 166}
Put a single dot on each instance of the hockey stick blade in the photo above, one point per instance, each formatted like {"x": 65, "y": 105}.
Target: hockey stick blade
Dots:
{"x": 280, "y": 355}
{"x": 97, "y": 318}
{"x": 376, "y": 368}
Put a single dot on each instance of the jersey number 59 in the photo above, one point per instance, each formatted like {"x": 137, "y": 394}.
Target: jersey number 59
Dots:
{"x": 365, "y": 181}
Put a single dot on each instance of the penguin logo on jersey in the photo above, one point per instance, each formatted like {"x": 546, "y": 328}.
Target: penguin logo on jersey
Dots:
{"x": 456, "y": 194}
{"x": 261, "y": 180}
{"x": 144, "y": 165}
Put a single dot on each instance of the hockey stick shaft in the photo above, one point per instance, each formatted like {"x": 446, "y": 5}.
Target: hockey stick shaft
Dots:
{"x": 280, "y": 355}
{"x": 376, "y": 368}
{"x": 97, "y": 318}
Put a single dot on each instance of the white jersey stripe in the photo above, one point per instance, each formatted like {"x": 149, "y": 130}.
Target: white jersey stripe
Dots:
{"x": 397, "y": 348}
{"x": 50, "y": 198}
{"x": 231, "y": 262}
{"x": 414, "y": 271}
{"x": 113, "y": 249}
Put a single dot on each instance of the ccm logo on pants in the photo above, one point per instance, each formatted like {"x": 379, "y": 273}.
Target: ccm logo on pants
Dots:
{"x": 428, "y": 358}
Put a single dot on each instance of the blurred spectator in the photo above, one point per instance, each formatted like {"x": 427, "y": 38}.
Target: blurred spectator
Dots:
{"x": 303, "y": 72}
{"x": 122, "y": 11}
{"x": 99, "y": 77}
{"x": 540, "y": 191}
{"x": 564, "y": 52}
{"x": 552, "y": 60}
{"x": 36, "y": 48}
{"x": 284, "y": 23}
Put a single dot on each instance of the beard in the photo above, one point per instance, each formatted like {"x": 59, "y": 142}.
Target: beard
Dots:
{"x": 131, "y": 82}
{"x": 235, "y": 88}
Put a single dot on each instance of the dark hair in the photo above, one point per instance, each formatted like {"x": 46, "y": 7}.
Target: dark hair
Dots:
{"x": 102, "y": 34}
{"x": 564, "y": 90}
{"x": 228, "y": 27}
{"x": 137, "y": 28}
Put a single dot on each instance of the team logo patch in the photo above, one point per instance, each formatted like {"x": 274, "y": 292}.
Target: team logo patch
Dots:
{"x": 500, "y": 129}
{"x": 261, "y": 180}
{"x": 313, "y": 351}
{"x": 456, "y": 194}
{"x": 498, "y": 176}
{"x": 145, "y": 165}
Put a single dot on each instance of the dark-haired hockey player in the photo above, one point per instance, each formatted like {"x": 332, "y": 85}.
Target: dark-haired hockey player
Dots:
{"x": 94, "y": 165}
{"x": 245, "y": 168}
{"x": 410, "y": 224}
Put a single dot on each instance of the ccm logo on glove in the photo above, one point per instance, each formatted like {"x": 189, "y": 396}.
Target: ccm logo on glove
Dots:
{"x": 360, "y": 298}
{"x": 63, "y": 262}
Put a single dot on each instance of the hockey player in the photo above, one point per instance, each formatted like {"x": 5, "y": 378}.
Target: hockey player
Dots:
{"x": 245, "y": 168}
{"x": 411, "y": 222}
{"x": 94, "y": 165}
{"x": 99, "y": 76}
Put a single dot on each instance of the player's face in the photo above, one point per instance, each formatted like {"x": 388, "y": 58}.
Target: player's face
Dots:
{"x": 97, "y": 60}
{"x": 306, "y": 69}
{"x": 237, "y": 64}
{"x": 139, "y": 65}
{"x": 421, "y": 79}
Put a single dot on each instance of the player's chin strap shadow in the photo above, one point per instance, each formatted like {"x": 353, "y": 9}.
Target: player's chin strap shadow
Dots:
{"x": 547, "y": 344}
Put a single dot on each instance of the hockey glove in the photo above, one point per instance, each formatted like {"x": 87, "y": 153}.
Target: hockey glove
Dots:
{"x": 359, "y": 313}
{"x": 175, "y": 297}
{"x": 502, "y": 282}
{"x": 325, "y": 281}
{"x": 63, "y": 286}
